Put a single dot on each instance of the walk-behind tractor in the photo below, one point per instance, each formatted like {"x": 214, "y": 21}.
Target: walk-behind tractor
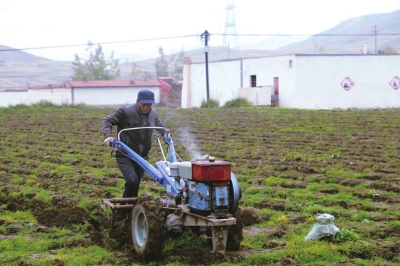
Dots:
{"x": 202, "y": 195}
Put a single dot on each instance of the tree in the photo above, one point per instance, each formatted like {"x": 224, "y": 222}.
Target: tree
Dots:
{"x": 96, "y": 67}
{"x": 176, "y": 63}
{"x": 140, "y": 74}
{"x": 161, "y": 64}
{"x": 171, "y": 66}
{"x": 387, "y": 50}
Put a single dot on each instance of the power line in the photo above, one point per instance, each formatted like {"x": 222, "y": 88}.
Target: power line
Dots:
{"x": 100, "y": 43}
{"x": 312, "y": 35}
{"x": 197, "y": 35}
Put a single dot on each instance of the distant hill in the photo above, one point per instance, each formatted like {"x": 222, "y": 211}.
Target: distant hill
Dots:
{"x": 272, "y": 42}
{"x": 329, "y": 41}
{"x": 353, "y": 36}
{"x": 18, "y": 68}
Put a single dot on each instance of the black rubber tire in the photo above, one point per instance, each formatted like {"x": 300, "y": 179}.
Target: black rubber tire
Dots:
{"x": 148, "y": 228}
{"x": 235, "y": 194}
{"x": 235, "y": 232}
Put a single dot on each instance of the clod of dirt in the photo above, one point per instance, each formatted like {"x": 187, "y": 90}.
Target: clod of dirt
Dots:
{"x": 274, "y": 244}
{"x": 14, "y": 228}
{"x": 42, "y": 228}
{"x": 250, "y": 215}
{"x": 287, "y": 261}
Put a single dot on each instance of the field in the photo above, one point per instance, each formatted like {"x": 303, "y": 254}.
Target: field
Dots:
{"x": 291, "y": 165}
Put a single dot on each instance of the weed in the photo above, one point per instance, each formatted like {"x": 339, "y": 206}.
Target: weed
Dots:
{"x": 43, "y": 196}
{"x": 188, "y": 240}
{"x": 212, "y": 103}
{"x": 252, "y": 191}
{"x": 239, "y": 102}
{"x": 311, "y": 220}
{"x": 345, "y": 235}
{"x": 271, "y": 181}
{"x": 314, "y": 187}
{"x": 360, "y": 216}
{"x": 282, "y": 221}
{"x": 359, "y": 248}
{"x": 14, "y": 194}
{"x": 395, "y": 224}
{"x": 85, "y": 204}
{"x": 373, "y": 192}
{"x": 349, "y": 137}
{"x": 90, "y": 255}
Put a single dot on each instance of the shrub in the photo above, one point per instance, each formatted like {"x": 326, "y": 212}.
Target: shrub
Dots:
{"x": 239, "y": 102}
{"x": 213, "y": 104}
{"x": 44, "y": 104}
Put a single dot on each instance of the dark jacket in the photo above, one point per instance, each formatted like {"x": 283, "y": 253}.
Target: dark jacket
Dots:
{"x": 130, "y": 117}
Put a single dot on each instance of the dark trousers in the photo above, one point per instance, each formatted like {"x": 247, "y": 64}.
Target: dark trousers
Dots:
{"x": 132, "y": 173}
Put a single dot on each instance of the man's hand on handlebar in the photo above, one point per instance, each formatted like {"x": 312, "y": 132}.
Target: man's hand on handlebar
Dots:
{"x": 108, "y": 140}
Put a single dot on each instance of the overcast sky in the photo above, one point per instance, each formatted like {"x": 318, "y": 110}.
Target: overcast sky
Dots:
{"x": 140, "y": 27}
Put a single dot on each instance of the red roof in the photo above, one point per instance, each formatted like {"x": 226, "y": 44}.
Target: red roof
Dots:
{"x": 112, "y": 83}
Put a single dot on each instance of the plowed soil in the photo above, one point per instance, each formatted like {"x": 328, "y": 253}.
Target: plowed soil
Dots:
{"x": 61, "y": 150}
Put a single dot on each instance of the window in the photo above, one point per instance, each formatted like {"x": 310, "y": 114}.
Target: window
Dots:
{"x": 253, "y": 81}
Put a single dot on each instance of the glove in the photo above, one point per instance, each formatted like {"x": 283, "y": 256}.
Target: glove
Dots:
{"x": 108, "y": 140}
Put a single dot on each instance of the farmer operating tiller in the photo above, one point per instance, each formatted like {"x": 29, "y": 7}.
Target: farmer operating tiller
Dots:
{"x": 202, "y": 194}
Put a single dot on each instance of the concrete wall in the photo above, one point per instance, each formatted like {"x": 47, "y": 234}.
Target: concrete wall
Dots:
{"x": 319, "y": 78}
{"x": 110, "y": 96}
{"x": 257, "y": 95}
{"x": 57, "y": 96}
{"x": 231, "y": 79}
{"x": 224, "y": 82}
{"x": 305, "y": 81}
{"x": 267, "y": 68}
{"x": 89, "y": 96}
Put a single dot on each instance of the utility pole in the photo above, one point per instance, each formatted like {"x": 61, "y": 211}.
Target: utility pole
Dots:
{"x": 206, "y": 36}
{"x": 127, "y": 70}
{"x": 375, "y": 38}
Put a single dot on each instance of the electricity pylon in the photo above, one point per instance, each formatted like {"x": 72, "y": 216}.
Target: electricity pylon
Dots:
{"x": 230, "y": 36}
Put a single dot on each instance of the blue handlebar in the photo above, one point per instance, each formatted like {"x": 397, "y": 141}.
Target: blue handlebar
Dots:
{"x": 161, "y": 175}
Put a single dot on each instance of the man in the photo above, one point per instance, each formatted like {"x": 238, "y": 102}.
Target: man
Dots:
{"x": 140, "y": 114}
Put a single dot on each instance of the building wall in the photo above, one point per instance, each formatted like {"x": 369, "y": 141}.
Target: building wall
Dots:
{"x": 89, "y": 96}
{"x": 267, "y": 68}
{"x": 305, "y": 81}
{"x": 319, "y": 78}
{"x": 256, "y": 95}
{"x": 57, "y": 96}
{"x": 111, "y": 96}
{"x": 224, "y": 82}
{"x": 231, "y": 79}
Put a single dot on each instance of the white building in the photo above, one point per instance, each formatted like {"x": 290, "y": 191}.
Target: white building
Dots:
{"x": 110, "y": 92}
{"x": 94, "y": 92}
{"x": 298, "y": 81}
